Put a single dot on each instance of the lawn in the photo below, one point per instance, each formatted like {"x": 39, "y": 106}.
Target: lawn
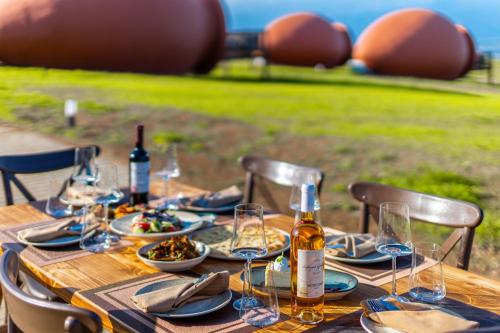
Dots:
{"x": 433, "y": 136}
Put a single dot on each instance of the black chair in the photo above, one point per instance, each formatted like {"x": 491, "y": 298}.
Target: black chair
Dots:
{"x": 31, "y": 315}
{"x": 278, "y": 172}
{"x": 463, "y": 216}
{"x": 11, "y": 165}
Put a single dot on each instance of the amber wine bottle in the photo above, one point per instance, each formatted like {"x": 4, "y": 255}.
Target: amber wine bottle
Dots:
{"x": 307, "y": 262}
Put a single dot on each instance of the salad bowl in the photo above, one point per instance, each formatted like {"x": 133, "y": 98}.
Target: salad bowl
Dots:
{"x": 152, "y": 229}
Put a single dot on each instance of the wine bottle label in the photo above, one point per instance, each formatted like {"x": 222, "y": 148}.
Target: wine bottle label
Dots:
{"x": 310, "y": 273}
{"x": 139, "y": 177}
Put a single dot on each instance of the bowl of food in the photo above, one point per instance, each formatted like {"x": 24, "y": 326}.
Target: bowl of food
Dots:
{"x": 175, "y": 254}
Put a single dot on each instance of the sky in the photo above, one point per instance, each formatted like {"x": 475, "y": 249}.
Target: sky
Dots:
{"x": 481, "y": 17}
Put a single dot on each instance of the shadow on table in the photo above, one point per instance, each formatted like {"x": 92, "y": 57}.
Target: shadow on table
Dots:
{"x": 350, "y": 322}
{"x": 485, "y": 318}
{"x": 203, "y": 323}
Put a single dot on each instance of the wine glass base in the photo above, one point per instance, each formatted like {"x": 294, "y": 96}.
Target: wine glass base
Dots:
{"x": 250, "y": 303}
{"x": 394, "y": 297}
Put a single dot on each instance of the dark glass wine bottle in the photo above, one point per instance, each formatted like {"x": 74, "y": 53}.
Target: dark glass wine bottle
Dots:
{"x": 139, "y": 170}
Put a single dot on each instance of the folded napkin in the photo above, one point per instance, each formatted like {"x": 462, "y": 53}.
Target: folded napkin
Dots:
{"x": 356, "y": 245}
{"x": 414, "y": 317}
{"x": 218, "y": 199}
{"x": 174, "y": 297}
{"x": 52, "y": 231}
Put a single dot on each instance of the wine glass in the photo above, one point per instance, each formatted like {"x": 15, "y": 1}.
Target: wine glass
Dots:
{"x": 394, "y": 237}
{"x": 170, "y": 170}
{"x": 302, "y": 177}
{"x": 54, "y": 207}
{"x": 84, "y": 167}
{"x": 248, "y": 242}
{"x": 107, "y": 192}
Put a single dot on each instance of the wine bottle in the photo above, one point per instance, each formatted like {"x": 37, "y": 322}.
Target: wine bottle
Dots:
{"x": 307, "y": 252}
{"x": 139, "y": 170}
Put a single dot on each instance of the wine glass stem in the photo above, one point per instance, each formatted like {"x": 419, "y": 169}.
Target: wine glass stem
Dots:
{"x": 248, "y": 270}
{"x": 165, "y": 187}
{"x": 106, "y": 219}
{"x": 394, "y": 276}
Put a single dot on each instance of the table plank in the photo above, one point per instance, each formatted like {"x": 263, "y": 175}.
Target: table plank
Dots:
{"x": 68, "y": 279}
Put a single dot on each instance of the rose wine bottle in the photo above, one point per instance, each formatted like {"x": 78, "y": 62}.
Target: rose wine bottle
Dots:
{"x": 307, "y": 265}
{"x": 139, "y": 170}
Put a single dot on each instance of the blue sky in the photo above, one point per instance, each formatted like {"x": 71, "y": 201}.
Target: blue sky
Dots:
{"x": 481, "y": 17}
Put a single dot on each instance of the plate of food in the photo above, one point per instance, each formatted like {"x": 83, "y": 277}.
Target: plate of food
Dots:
{"x": 156, "y": 224}
{"x": 337, "y": 284}
{"x": 219, "y": 240}
{"x": 175, "y": 254}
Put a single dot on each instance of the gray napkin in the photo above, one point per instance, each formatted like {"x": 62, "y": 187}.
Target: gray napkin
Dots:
{"x": 52, "y": 231}
{"x": 356, "y": 245}
{"x": 173, "y": 297}
{"x": 220, "y": 198}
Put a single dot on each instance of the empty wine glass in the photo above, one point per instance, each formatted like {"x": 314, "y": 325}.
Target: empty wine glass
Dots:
{"x": 107, "y": 192}
{"x": 302, "y": 177}
{"x": 54, "y": 207}
{"x": 394, "y": 236}
{"x": 170, "y": 170}
{"x": 248, "y": 242}
{"x": 84, "y": 167}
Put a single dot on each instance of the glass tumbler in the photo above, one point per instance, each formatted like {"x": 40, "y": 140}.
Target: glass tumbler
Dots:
{"x": 92, "y": 229}
{"x": 427, "y": 282}
{"x": 264, "y": 309}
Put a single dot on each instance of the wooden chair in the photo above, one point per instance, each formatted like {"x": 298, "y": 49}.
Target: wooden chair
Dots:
{"x": 10, "y": 165}
{"x": 463, "y": 216}
{"x": 278, "y": 172}
{"x": 30, "y": 315}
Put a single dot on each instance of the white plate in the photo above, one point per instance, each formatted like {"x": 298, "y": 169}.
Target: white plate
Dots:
{"x": 58, "y": 242}
{"x": 372, "y": 327}
{"x": 174, "y": 266}
{"x": 189, "y": 222}
{"x": 193, "y": 309}
{"x": 215, "y": 255}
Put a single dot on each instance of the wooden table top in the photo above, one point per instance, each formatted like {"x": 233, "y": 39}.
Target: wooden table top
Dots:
{"x": 68, "y": 279}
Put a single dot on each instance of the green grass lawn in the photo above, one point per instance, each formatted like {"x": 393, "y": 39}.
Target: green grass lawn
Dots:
{"x": 457, "y": 123}
{"x": 299, "y": 101}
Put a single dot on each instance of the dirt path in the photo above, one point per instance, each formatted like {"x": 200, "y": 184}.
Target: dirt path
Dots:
{"x": 16, "y": 141}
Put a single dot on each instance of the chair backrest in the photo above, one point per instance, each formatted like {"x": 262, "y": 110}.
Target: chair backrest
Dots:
{"x": 10, "y": 165}
{"x": 32, "y": 315}
{"x": 463, "y": 216}
{"x": 278, "y": 172}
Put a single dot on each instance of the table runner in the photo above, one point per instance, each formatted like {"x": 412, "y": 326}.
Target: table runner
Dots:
{"x": 379, "y": 273}
{"x": 375, "y": 274}
{"x": 115, "y": 300}
{"x": 46, "y": 256}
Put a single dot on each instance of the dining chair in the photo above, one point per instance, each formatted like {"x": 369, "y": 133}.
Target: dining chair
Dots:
{"x": 31, "y": 315}
{"x": 12, "y": 165}
{"x": 278, "y": 172}
{"x": 461, "y": 215}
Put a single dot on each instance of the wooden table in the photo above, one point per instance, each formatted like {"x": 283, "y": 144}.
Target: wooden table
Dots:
{"x": 68, "y": 279}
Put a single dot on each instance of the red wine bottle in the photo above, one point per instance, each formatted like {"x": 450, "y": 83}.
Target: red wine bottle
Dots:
{"x": 139, "y": 170}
